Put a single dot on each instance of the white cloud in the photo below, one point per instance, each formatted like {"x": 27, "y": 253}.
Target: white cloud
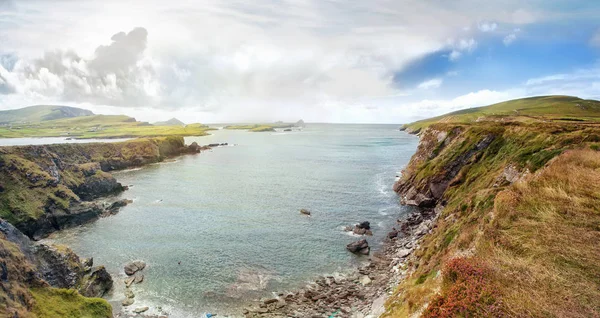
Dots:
{"x": 430, "y": 84}
{"x": 509, "y": 39}
{"x": 461, "y": 46}
{"x": 488, "y": 26}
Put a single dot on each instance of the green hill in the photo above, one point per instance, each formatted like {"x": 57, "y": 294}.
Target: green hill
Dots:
{"x": 170, "y": 122}
{"x": 41, "y": 113}
{"x": 541, "y": 108}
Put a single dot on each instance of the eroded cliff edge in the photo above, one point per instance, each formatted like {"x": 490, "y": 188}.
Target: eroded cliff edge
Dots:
{"x": 516, "y": 230}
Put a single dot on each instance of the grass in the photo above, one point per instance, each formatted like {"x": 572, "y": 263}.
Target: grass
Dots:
{"x": 259, "y": 127}
{"x": 534, "y": 245}
{"x": 99, "y": 126}
{"x": 67, "y": 303}
{"x": 533, "y": 109}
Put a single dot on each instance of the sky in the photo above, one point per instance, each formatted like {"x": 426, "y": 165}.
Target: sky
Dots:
{"x": 376, "y": 61}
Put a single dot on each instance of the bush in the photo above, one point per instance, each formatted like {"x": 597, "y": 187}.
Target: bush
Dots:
{"x": 467, "y": 292}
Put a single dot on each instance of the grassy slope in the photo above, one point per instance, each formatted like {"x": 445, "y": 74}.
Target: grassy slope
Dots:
{"x": 531, "y": 248}
{"x": 99, "y": 126}
{"x": 41, "y": 113}
{"x": 23, "y": 294}
{"x": 554, "y": 108}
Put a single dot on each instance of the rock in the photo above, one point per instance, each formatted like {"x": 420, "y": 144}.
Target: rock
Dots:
{"x": 140, "y": 310}
{"x": 305, "y": 212}
{"x": 194, "y": 147}
{"x": 359, "y": 247}
{"x": 97, "y": 283}
{"x": 364, "y": 225}
{"x": 368, "y": 233}
{"x": 127, "y": 302}
{"x": 392, "y": 234}
{"x": 270, "y": 301}
{"x": 403, "y": 253}
{"x": 365, "y": 280}
{"x": 87, "y": 263}
{"x": 129, "y": 293}
{"x": 129, "y": 281}
{"x": 359, "y": 231}
{"x": 114, "y": 208}
{"x": 138, "y": 278}
{"x": 133, "y": 267}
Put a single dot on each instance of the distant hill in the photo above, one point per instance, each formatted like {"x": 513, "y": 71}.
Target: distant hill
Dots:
{"x": 555, "y": 108}
{"x": 170, "y": 122}
{"x": 39, "y": 113}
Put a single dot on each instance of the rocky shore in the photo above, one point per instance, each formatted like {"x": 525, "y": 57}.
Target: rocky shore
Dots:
{"x": 361, "y": 293}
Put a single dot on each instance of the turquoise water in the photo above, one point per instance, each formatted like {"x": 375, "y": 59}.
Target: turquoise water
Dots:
{"x": 231, "y": 215}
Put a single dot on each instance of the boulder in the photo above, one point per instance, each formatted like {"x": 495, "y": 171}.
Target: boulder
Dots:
{"x": 138, "y": 279}
{"x": 365, "y": 280}
{"x": 364, "y": 225}
{"x": 127, "y": 302}
{"x": 359, "y": 231}
{"x": 129, "y": 293}
{"x": 133, "y": 267}
{"x": 140, "y": 310}
{"x": 392, "y": 234}
{"x": 359, "y": 247}
{"x": 304, "y": 211}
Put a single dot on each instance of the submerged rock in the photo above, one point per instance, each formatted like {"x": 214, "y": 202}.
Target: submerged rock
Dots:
{"x": 127, "y": 302}
{"x": 304, "y": 211}
{"x": 359, "y": 247}
{"x": 140, "y": 310}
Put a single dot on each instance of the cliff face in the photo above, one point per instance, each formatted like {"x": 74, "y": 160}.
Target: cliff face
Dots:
{"x": 511, "y": 197}
{"x": 51, "y": 187}
{"x": 30, "y": 275}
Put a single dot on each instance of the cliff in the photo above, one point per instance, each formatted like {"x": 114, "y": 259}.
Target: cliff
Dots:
{"x": 50, "y": 187}
{"x": 517, "y": 227}
{"x": 43, "y": 281}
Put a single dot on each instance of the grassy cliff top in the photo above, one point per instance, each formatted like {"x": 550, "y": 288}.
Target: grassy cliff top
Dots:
{"x": 519, "y": 234}
{"x": 542, "y": 108}
{"x": 99, "y": 126}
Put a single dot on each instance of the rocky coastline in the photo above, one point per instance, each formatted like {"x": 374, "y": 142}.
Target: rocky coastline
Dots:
{"x": 363, "y": 292}
{"x": 46, "y": 188}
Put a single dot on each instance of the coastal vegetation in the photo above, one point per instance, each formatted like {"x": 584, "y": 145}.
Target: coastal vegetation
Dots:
{"x": 518, "y": 233}
{"x": 534, "y": 109}
{"x": 265, "y": 127}
{"x": 46, "y": 121}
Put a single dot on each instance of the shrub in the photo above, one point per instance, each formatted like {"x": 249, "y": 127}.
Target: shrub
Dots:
{"x": 467, "y": 292}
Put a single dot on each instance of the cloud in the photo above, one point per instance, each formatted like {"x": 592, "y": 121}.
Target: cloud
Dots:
{"x": 430, "y": 84}
{"x": 509, "y": 39}
{"x": 117, "y": 74}
{"x": 461, "y": 46}
{"x": 488, "y": 26}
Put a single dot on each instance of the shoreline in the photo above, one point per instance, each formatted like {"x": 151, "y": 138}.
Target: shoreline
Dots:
{"x": 363, "y": 292}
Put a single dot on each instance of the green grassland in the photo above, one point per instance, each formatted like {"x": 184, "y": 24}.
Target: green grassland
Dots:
{"x": 99, "y": 126}
{"x": 533, "y": 109}
{"x": 259, "y": 127}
